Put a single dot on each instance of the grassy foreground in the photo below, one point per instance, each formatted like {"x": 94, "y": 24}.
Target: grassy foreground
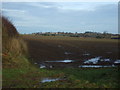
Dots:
{"x": 31, "y": 76}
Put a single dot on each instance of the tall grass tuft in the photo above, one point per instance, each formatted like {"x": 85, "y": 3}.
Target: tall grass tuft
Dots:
{"x": 17, "y": 46}
{"x": 13, "y": 46}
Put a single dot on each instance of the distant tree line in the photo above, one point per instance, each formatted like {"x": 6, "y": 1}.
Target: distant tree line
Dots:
{"x": 86, "y": 34}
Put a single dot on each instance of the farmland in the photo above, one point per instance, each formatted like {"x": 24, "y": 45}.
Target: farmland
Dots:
{"x": 52, "y": 48}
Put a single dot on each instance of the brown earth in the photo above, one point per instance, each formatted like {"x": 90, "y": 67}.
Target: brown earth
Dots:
{"x": 49, "y": 48}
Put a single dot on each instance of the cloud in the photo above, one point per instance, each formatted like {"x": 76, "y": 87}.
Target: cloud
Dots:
{"x": 12, "y": 10}
{"x": 65, "y": 16}
{"x": 64, "y": 6}
{"x": 41, "y": 5}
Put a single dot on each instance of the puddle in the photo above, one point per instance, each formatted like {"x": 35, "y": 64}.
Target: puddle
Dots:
{"x": 45, "y": 66}
{"x": 67, "y": 53}
{"x": 117, "y": 61}
{"x": 42, "y": 66}
{"x": 93, "y": 60}
{"x": 51, "y": 66}
{"x": 97, "y": 62}
{"x": 49, "y": 80}
{"x": 105, "y": 60}
{"x": 64, "y": 61}
{"x": 86, "y": 54}
{"x": 96, "y": 66}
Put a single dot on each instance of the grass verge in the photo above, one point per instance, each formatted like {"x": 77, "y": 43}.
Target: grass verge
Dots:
{"x": 31, "y": 76}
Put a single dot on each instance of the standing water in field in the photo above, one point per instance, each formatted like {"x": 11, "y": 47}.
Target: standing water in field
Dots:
{"x": 42, "y": 66}
{"x": 95, "y": 66}
{"x": 105, "y": 60}
{"x": 93, "y": 60}
{"x": 117, "y": 62}
{"x": 49, "y": 80}
{"x": 64, "y": 61}
{"x": 96, "y": 60}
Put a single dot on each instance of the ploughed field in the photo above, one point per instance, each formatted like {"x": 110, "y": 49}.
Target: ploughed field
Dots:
{"x": 62, "y": 51}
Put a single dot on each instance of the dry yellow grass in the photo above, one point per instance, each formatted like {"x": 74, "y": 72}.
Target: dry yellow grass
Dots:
{"x": 13, "y": 46}
{"x": 17, "y": 46}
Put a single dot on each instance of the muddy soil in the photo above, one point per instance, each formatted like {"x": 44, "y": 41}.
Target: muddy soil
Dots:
{"x": 42, "y": 49}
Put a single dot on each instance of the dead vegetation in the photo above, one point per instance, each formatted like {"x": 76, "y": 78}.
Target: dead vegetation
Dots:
{"x": 12, "y": 44}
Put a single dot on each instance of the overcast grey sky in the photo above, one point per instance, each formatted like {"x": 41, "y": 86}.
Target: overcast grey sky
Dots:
{"x": 29, "y": 17}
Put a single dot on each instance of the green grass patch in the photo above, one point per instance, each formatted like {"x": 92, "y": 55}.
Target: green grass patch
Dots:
{"x": 74, "y": 78}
